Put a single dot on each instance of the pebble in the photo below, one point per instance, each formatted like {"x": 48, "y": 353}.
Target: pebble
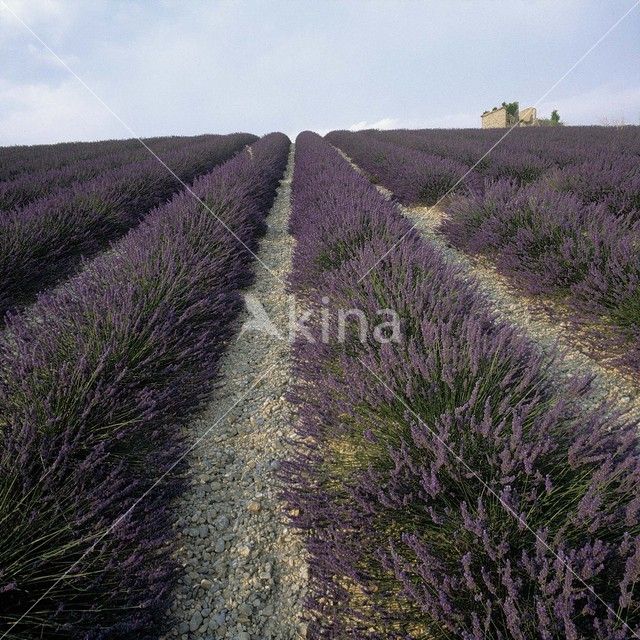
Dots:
{"x": 196, "y": 621}
{"x": 254, "y": 506}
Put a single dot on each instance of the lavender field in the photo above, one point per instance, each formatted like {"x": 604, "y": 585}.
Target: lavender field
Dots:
{"x": 372, "y": 385}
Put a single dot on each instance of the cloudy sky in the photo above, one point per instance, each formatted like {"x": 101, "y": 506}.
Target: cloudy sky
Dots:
{"x": 186, "y": 67}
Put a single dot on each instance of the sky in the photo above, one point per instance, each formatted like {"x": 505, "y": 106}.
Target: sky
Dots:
{"x": 166, "y": 67}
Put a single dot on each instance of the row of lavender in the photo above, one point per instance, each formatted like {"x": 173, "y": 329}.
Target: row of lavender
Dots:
{"x": 29, "y": 186}
{"x": 449, "y": 488}
{"x": 598, "y": 164}
{"x": 567, "y": 228}
{"x": 557, "y": 146}
{"x": 425, "y": 166}
{"x": 96, "y": 380}
{"x": 20, "y": 160}
{"x": 44, "y": 241}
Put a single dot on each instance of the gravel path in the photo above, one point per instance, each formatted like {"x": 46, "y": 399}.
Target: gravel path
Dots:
{"x": 555, "y": 334}
{"x": 245, "y": 572}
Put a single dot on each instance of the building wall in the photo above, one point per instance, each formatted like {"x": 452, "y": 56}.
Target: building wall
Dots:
{"x": 528, "y": 117}
{"x": 495, "y": 119}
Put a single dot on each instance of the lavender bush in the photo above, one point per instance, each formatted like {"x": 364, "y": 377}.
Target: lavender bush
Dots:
{"x": 611, "y": 288}
{"x": 559, "y": 146}
{"x": 29, "y": 186}
{"x": 449, "y": 487}
{"x": 544, "y": 239}
{"x": 96, "y": 379}
{"x": 597, "y": 164}
{"x": 553, "y": 243}
{"x": 44, "y": 242}
{"x": 19, "y": 160}
{"x": 523, "y": 166}
{"x": 613, "y": 180}
{"x": 412, "y": 176}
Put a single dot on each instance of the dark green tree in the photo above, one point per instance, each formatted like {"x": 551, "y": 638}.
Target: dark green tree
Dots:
{"x": 555, "y": 117}
{"x": 512, "y": 108}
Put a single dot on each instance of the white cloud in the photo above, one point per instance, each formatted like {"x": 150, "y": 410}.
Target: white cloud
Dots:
{"x": 384, "y": 123}
{"x": 51, "y": 20}
{"x": 31, "y": 10}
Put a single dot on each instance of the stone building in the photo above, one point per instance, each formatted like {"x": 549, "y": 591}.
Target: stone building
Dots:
{"x": 528, "y": 117}
{"x": 499, "y": 118}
